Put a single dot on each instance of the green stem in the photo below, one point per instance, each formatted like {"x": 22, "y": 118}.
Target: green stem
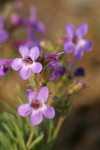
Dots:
{"x": 56, "y": 132}
{"x": 30, "y": 137}
{"x": 60, "y": 122}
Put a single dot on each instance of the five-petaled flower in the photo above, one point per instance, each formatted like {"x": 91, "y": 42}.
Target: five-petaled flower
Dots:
{"x": 27, "y": 64}
{"x": 76, "y": 44}
{"x": 36, "y": 108}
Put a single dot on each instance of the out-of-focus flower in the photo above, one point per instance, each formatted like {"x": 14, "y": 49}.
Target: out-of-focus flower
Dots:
{"x": 54, "y": 64}
{"x": 34, "y": 22}
{"x": 52, "y": 56}
{"x": 34, "y": 25}
{"x": 4, "y": 35}
{"x": 1, "y": 22}
{"x": 79, "y": 86}
{"x": 26, "y": 43}
{"x": 73, "y": 71}
{"x": 18, "y": 4}
{"x": 76, "y": 43}
{"x": 27, "y": 64}
{"x": 59, "y": 71}
{"x": 37, "y": 107}
{"x": 16, "y": 20}
{"x": 4, "y": 66}
{"x": 79, "y": 72}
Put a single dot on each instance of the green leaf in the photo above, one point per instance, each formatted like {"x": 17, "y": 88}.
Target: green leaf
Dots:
{"x": 9, "y": 131}
{"x": 50, "y": 130}
{"x": 36, "y": 141}
{"x": 20, "y": 138}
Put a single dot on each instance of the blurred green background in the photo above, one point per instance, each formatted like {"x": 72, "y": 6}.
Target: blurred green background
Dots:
{"x": 81, "y": 131}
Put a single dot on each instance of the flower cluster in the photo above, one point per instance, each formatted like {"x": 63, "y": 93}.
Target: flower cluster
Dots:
{"x": 37, "y": 61}
{"x": 15, "y": 20}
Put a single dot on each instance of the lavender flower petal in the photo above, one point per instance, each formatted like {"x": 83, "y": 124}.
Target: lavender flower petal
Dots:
{"x": 32, "y": 17}
{"x": 70, "y": 30}
{"x": 68, "y": 47}
{"x": 54, "y": 64}
{"x": 57, "y": 72}
{"x": 34, "y": 53}
{"x": 82, "y": 30}
{"x": 36, "y": 117}
{"x": 40, "y": 27}
{"x": 52, "y": 56}
{"x": 43, "y": 94}
{"x": 48, "y": 112}
{"x": 3, "y": 36}
{"x": 78, "y": 53}
{"x": 36, "y": 67}
{"x": 16, "y": 64}
{"x": 24, "y": 110}
{"x": 24, "y": 51}
{"x": 87, "y": 45}
{"x": 25, "y": 73}
{"x": 15, "y": 20}
{"x": 1, "y": 22}
{"x": 4, "y": 66}
{"x": 31, "y": 95}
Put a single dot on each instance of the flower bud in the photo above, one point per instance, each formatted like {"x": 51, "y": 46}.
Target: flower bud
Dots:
{"x": 79, "y": 86}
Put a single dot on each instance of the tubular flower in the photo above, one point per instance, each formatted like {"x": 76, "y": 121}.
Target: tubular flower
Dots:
{"x": 4, "y": 35}
{"x": 58, "y": 69}
{"x": 36, "y": 108}
{"x": 76, "y": 43}
{"x": 34, "y": 25}
{"x": 4, "y": 66}
{"x": 27, "y": 64}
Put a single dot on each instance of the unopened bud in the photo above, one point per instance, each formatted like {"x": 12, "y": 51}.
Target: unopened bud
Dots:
{"x": 79, "y": 86}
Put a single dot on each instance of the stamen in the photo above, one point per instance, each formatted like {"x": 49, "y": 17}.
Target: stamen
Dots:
{"x": 75, "y": 40}
{"x": 28, "y": 60}
{"x": 36, "y": 104}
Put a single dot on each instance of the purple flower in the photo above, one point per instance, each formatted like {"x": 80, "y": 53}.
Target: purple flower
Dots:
{"x": 79, "y": 72}
{"x": 37, "y": 107}
{"x": 59, "y": 71}
{"x": 54, "y": 64}
{"x": 16, "y": 20}
{"x": 4, "y": 66}
{"x": 3, "y": 33}
{"x": 76, "y": 43}
{"x": 34, "y": 25}
{"x": 73, "y": 70}
{"x": 52, "y": 56}
{"x": 1, "y": 22}
{"x": 34, "y": 22}
{"x": 18, "y": 4}
{"x": 27, "y": 64}
{"x": 26, "y": 43}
